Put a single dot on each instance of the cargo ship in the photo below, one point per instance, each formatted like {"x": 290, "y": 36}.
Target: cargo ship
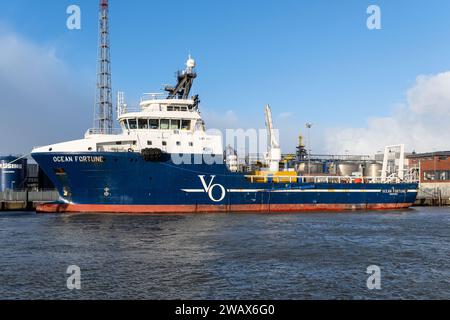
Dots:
{"x": 162, "y": 160}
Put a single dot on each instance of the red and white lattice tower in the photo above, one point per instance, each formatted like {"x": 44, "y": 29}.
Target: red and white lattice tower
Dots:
{"x": 103, "y": 105}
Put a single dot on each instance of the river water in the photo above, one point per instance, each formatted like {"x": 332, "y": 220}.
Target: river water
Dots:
{"x": 276, "y": 256}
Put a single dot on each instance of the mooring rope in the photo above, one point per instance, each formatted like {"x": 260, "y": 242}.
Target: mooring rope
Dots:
{"x": 20, "y": 158}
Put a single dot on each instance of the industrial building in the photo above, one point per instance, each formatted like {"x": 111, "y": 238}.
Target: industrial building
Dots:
{"x": 434, "y": 167}
{"x": 13, "y": 174}
{"x": 23, "y": 185}
{"x": 17, "y": 174}
{"x": 434, "y": 176}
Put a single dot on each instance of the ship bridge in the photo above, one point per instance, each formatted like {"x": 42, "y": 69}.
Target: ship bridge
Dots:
{"x": 162, "y": 114}
{"x": 169, "y": 121}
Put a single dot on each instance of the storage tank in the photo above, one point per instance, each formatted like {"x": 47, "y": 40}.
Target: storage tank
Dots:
{"x": 315, "y": 168}
{"x": 348, "y": 168}
{"x": 373, "y": 170}
{"x": 12, "y": 175}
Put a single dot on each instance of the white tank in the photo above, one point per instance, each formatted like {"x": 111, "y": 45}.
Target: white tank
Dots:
{"x": 348, "y": 168}
{"x": 373, "y": 170}
{"x": 315, "y": 168}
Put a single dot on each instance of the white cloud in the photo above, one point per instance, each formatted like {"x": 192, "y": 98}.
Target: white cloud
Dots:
{"x": 422, "y": 123}
{"x": 431, "y": 94}
{"x": 41, "y": 100}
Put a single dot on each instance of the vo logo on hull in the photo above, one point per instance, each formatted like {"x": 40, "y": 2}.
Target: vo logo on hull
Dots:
{"x": 209, "y": 189}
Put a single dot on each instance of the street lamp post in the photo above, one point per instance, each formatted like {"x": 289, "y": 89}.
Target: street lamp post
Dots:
{"x": 309, "y": 126}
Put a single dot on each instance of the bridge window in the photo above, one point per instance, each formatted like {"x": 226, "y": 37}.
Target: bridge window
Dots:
{"x": 132, "y": 124}
{"x": 174, "y": 124}
{"x": 200, "y": 125}
{"x": 143, "y": 123}
{"x": 164, "y": 143}
{"x": 154, "y": 123}
{"x": 149, "y": 143}
{"x": 178, "y": 143}
{"x": 186, "y": 125}
{"x": 165, "y": 124}
{"x": 177, "y": 108}
{"x": 436, "y": 175}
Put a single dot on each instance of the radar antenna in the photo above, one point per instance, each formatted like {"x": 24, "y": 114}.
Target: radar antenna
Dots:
{"x": 185, "y": 82}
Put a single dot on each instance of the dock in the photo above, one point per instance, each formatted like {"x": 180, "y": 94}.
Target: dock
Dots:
{"x": 25, "y": 200}
{"x": 433, "y": 196}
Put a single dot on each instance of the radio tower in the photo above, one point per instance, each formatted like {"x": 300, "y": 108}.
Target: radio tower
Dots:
{"x": 103, "y": 106}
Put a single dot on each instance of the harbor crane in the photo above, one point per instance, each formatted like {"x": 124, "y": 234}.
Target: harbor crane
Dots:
{"x": 273, "y": 155}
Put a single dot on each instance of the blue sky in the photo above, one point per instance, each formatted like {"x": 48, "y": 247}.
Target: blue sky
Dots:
{"x": 312, "y": 61}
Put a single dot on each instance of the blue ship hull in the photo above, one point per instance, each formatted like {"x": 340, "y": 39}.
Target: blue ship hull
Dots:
{"x": 126, "y": 183}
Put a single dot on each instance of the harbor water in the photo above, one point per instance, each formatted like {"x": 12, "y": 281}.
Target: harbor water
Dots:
{"x": 276, "y": 256}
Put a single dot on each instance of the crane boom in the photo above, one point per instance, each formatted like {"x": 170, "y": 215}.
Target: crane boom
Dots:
{"x": 273, "y": 156}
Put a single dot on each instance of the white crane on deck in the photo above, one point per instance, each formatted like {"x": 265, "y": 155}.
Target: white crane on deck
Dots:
{"x": 273, "y": 155}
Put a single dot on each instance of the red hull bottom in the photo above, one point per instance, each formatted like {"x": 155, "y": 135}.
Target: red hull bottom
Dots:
{"x": 180, "y": 209}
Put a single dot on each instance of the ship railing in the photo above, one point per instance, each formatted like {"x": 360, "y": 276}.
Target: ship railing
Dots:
{"x": 159, "y": 96}
{"x": 154, "y": 96}
{"x": 125, "y": 110}
{"x": 320, "y": 179}
{"x": 97, "y": 131}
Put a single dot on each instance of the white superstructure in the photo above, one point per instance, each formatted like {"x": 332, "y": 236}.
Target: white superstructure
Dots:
{"x": 169, "y": 122}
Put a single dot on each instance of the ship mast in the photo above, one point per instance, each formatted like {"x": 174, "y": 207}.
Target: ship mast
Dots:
{"x": 185, "y": 82}
{"x": 103, "y": 106}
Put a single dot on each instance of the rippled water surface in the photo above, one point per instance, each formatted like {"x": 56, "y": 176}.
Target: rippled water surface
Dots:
{"x": 279, "y": 256}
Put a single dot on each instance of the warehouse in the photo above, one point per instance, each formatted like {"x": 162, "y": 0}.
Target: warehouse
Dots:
{"x": 434, "y": 169}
